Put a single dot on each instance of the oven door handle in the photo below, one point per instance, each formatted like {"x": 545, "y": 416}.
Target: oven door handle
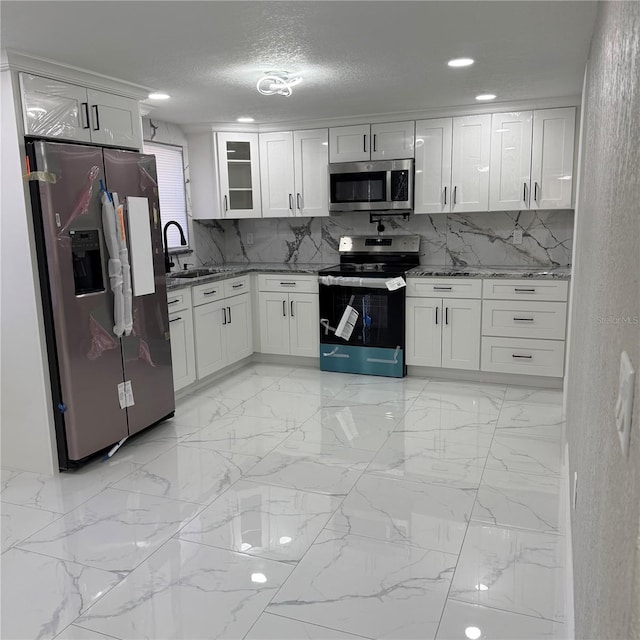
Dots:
{"x": 350, "y": 281}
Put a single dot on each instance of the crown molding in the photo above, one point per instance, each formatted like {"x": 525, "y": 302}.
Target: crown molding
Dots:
{"x": 426, "y": 114}
{"x": 18, "y": 61}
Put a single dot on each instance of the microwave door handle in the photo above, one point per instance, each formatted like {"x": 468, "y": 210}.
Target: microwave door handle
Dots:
{"x": 388, "y": 195}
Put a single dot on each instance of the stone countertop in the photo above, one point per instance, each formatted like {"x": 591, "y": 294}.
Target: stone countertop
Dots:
{"x": 559, "y": 273}
{"x": 230, "y": 270}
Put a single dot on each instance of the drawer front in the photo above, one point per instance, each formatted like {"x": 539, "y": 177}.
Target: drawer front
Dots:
{"x": 518, "y": 355}
{"x": 444, "y": 287}
{"x": 524, "y": 319}
{"x": 204, "y": 293}
{"x": 284, "y": 282}
{"x": 179, "y": 299}
{"x": 552, "y": 290}
{"x": 236, "y": 286}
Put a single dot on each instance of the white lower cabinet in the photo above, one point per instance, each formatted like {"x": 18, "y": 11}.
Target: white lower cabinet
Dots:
{"x": 238, "y": 331}
{"x": 289, "y": 323}
{"x": 443, "y": 333}
{"x": 183, "y": 355}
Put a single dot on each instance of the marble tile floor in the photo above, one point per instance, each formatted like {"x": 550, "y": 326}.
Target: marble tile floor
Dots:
{"x": 288, "y": 503}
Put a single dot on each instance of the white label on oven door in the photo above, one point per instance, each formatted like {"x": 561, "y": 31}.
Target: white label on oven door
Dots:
{"x": 395, "y": 283}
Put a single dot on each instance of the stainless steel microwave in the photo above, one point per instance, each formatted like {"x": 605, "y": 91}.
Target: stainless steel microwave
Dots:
{"x": 379, "y": 185}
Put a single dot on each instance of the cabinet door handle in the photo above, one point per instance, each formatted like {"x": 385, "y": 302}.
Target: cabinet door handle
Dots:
{"x": 290, "y": 202}
{"x": 524, "y": 193}
{"x": 173, "y": 301}
{"x": 284, "y": 308}
{"x": 226, "y": 206}
{"x": 96, "y": 118}
{"x": 229, "y": 310}
{"x": 224, "y": 316}
{"x": 292, "y": 309}
{"x": 445, "y": 195}
{"x": 85, "y": 115}
{"x": 515, "y": 355}
{"x": 175, "y": 319}
{"x": 535, "y": 191}
{"x": 374, "y": 141}
{"x": 523, "y": 319}
{"x": 446, "y": 315}
{"x": 436, "y": 315}
{"x": 299, "y": 201}
{"x": 455, "y": 193}
{"x": 524, "y": 290}
{"x": 435, "y": 288}
{"x": 364, "y": 142}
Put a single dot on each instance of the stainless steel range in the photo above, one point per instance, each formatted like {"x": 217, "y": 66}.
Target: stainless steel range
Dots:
{"x": 362, "y": 305}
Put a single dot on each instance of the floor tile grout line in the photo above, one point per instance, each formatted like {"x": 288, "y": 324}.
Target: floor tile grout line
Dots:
{"x": 312, "y": 624}
{"x": 515, "y": 613}
{"x": 464, "y": 538}
{"x": 72, "y": 624}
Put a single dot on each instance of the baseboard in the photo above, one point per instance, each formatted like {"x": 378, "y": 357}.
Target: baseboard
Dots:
{"x": 463, "y": 375}
{"x": 569, "y": 620}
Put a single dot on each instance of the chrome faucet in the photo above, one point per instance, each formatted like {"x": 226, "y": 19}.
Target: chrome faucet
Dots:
{"x": 183, "y": 241}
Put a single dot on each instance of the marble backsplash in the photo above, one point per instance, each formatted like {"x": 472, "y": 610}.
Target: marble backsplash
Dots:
{"x": 447, "y": 239}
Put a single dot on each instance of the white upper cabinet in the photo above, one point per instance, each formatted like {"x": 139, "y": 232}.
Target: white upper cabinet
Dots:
{"x": 54, "y": 109}
{"x": 552, "y": 158}
{"x": 311, "y": 169}
{"x": 239, "y": 172}
{"x": 510, "y": 168}
{"x": 294, "y": 173}
{"x": 470, "y": 163}
{"x": 386, "y": 141}
{"x": 350, "y": 144}
{"x": 114, "y": 120}
{"x": 277, "y": 174}
{"x": 392, "y": 140}
{"x": 433, "y": 166}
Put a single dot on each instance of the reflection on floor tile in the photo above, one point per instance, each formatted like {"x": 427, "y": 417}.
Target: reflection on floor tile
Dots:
{"x": 188, "y": 590}
{"x": 291, "y": 503}
{"x": 114, "y": 531}
{"x": 368, "y": 587}
{"x": 272, "y": 522}
{"x": 512, "y": 570}
{"x": 462, "y": 621}
{"x": 424, "y": 515}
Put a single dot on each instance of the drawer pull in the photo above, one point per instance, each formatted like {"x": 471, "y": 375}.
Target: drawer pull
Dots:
{"x": 173, "y": 301}
{"x": 522, "y": 290}
{"x": 523, "y": 319}
{"x": 288, "y": 284}
{"x": 515, "y": 355}
{"x": 208, "y": 293}
{"x": 175, "y": 319}
{"x": 442, "y": 288}
{"x": 237, "y": 286}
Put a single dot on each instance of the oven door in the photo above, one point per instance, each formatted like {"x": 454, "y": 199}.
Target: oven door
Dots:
{"x": 362, "y": 326}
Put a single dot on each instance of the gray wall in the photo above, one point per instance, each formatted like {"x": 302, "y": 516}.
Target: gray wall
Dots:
{"x": 605, "y": 321}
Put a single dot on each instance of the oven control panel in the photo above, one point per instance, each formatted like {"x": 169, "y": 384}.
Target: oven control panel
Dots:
{"x": 375, "y": 244}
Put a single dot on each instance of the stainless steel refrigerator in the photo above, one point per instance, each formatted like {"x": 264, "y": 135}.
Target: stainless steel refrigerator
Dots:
{"x": 104, "y": 386}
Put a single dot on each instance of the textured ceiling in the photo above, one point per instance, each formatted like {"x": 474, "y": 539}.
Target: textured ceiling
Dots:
{"x": 356, "y": 57}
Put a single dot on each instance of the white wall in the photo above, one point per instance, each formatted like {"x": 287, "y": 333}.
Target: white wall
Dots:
{"x": 27, "y": 433}
{"x": 605, "y": 320}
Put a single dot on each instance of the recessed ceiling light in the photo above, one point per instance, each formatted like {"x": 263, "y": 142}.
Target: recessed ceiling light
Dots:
{"x": 485, "y": 96}
{"x": 245, "y": 119}
{"x": 158, "y": 96}
{"x": 461, "y": 62}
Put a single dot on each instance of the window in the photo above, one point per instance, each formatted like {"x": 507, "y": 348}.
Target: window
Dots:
{"x": 173, "y": 204}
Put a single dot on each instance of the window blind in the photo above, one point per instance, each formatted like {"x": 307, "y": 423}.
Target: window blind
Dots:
{"x": 171, "y": 192}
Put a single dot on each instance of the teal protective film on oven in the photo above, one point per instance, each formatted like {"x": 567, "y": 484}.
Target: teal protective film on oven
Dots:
{"x": 369, "y": 360}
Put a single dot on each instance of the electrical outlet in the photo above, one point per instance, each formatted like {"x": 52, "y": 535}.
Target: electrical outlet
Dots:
{"x": 517, "y": 236}
{"x": 249, "y": 238}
